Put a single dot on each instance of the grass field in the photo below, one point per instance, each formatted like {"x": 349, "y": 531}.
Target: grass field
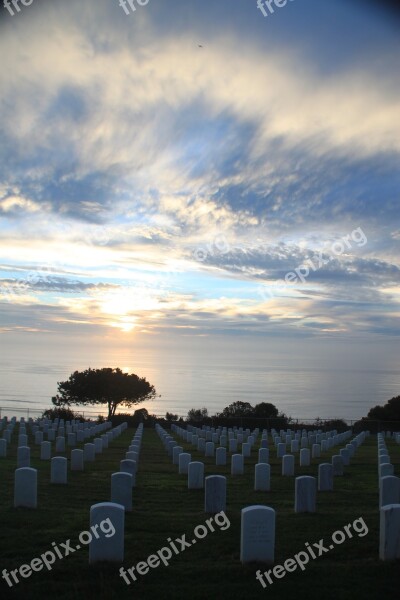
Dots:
{"x": 165, "y": 508}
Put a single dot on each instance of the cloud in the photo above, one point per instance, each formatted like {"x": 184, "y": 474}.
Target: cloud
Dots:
{"x": 151, "y": 184}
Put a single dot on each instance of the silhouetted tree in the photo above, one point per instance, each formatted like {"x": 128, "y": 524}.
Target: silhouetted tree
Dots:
{"x": 171, "y": 417}
{"x": 238, "y": 409}
{"x": 389, "y": 412}
{"x": 61, "y": 413}
{"x": 197, "y": 414}
{"x": 103, "y": 386}
{"x": 265, "y": 410}
{"x": 141, "y": 415}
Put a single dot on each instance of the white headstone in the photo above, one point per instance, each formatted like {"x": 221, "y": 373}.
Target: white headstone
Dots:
{"x": 288, "y": 465}
{"x": 170, "y": 446}
{"x": 121, "y": 489}
{"x": 129, "y": 466}
{"x": 233, "y": 445}
{"x": 59, "y": 466}
{"x": 344, "y": 453}
{"x": 215, "y": 494}
{"x": 210, "y": 448}
{"x": 22, "y": 440}
{"x": 389, "y": 490}
{"x": 281, "y": 450}
{"x": 263, "y": 455}
{"x": 325, "y": 477}
{"x": 25, "y": 488}
{"x": 257, "y": 540}
{"x": 386, "y": 469}
{"x": 220, "y": 456}
{"x": 305, "y": 494}
{"x": 176, "y": 451}
{"x": 130, "y": 455}
{"x": 23, "y": 457}
{"x": 98, "y": 445}
{"x": 60, "y": 444}
{"x": 305, "y": 457}
{"x": 108, "y": 547}
{"x": 389, "y": 532}
{"x": 195, "y": 475}
{"x": 7, "y": 436}
{"x": 77, "y": 460}
{"x": 45, "y": 451}
{"x": 294, "y": 446}
{"x": 262, "y": 477}
{"x": 184, "y": 460}
{"x": 237, "y": 464}
{"x": 246, "y": 449}
{"x": 88, "y": 452}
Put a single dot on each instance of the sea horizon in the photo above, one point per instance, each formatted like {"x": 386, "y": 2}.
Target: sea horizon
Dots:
{"x": 330, "y": 380}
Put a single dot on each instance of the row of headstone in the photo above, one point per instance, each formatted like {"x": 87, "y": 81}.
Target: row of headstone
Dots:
{"x": 389, "y": 503}
{"x": 237, "y": 460}
{"x": 123, "y": 482}
{"x": 26, "y": 479}
{"x": 78, "y": 457}
{"x": 389, "y": 532}
{"x": 193, "y": 469}
{"x": 389, "y": 484}
{"x": 320, "y": 442}
{"x": 233, "y": 438}
{"x": 76, "y": 432}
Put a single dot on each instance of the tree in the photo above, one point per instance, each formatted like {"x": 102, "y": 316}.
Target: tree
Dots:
{"x": 171, "y": 417}
{"x": 238, "y": 409}
{"x": 141, "y": 414}
{"x": 61, "y": 413}
{"x": 265, "y": 410}
{"x": 389, "y": 412}
{"x": 103, "y": 386}
{"x": 197, "y": 414}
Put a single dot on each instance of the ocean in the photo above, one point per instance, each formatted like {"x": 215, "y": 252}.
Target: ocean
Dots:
{"x": 305, "y": 380}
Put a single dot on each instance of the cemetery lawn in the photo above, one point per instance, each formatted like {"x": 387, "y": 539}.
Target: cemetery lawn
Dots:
{"x": 165, "y": 508}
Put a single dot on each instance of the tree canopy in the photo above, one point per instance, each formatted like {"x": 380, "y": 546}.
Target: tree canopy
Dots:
{"x": 197, "y": 414}
{"x": 389, "y": 412}
{"x": 107, "y": 386}
{"x": 263, "y": 410}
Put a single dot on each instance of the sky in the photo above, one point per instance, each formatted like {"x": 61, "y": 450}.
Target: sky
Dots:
{"x": 197, "y": 170}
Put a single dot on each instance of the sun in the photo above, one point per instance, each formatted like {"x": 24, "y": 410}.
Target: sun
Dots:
{"x": 122, "y": 306}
